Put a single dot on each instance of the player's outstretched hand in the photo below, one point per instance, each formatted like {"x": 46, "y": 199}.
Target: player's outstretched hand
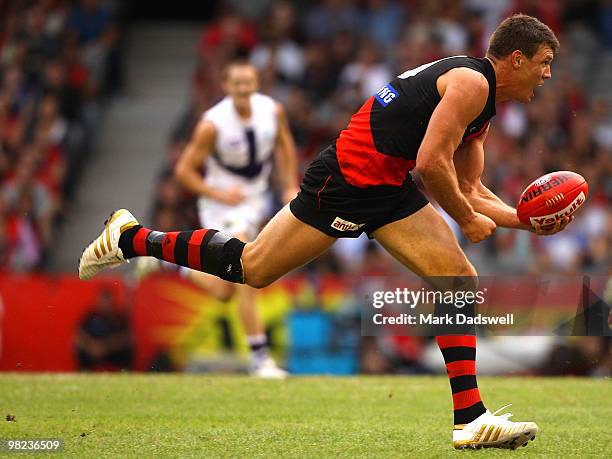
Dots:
{"x": 478, "y": 228}
{"x": 231, "y": 197}
{"x": 559, "y": 225}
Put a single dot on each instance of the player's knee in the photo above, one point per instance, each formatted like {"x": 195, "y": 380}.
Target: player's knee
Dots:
{"x": 467, "y": 270}
{"x": 458, "y": 266}
{"x": 456, "y": 276}
{"x": 256, "y": 281}
{"x": 459, "y": 269}
{"x": 468, "y": 275}
{"x": 257, "y": 276}
{"x": 256, "y": 269}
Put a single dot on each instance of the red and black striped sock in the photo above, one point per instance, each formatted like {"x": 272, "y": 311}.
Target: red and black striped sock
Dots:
{"x": 203, "y": 250}
{"x": 459, "y": 352}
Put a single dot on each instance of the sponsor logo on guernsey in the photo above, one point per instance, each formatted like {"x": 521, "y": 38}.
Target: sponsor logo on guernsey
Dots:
{"x": 343, "y": 225}
{"x": 569, "y": 210}
{"x": 386, "y": 95}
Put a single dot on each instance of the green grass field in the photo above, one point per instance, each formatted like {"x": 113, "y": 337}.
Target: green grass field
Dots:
{"x": 207, "y": 416}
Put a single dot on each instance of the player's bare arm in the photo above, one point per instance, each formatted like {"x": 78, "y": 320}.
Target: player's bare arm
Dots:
{"x": 187, "y": 168}
{"x": 286, "y": 157}
{"x": 464, "y": 94}
{"x": 469, "y": 165}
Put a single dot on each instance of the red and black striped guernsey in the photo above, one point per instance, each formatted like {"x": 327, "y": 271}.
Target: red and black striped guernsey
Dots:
{"x": 380, "y": 144}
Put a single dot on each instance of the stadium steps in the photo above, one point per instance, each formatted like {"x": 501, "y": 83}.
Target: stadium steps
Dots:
{"x": 132, "y": 136}
{"x": 600, "y": 85}
{"x": 588, "y": 62}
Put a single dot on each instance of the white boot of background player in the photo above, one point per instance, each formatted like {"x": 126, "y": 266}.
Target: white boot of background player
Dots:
{"x": 262, "y": 365}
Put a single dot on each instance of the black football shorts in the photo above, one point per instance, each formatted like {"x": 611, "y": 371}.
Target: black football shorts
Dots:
{"x": 341, "y": 210}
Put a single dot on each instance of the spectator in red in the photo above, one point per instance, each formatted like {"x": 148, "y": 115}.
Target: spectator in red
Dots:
{"x": 227, "y": 37}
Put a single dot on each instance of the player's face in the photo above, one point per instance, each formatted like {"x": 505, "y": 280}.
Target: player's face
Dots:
{"x": 240, "y": 83}
{"x": 533, "y": 71}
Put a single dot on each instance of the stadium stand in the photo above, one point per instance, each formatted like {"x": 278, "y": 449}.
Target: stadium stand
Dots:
{"x": 59, "y": 63}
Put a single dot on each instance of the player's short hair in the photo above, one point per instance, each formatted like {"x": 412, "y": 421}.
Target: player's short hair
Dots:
{"x": 235, "y": 63}
{"x": 521, "y": 32}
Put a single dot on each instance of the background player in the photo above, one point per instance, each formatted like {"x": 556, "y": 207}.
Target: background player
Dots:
{"x": 433, "y": 118}
{"x": 238, "y": 140}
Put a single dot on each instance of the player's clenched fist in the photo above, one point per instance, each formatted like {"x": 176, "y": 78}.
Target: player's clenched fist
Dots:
{"x": 478, "y": 228}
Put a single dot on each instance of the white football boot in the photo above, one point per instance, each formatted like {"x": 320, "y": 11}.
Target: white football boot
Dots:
{"x": 267, "y": 369}
{"x": 104, "y": 252}
{"x": 491, "y": 431}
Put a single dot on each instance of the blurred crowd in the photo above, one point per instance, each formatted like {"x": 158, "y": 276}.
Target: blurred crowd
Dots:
{"x": 323, "y": 59}
{"x": 59, "y": 62}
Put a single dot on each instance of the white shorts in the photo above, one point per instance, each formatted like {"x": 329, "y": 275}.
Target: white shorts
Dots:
{"x": 246, "y": 218}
